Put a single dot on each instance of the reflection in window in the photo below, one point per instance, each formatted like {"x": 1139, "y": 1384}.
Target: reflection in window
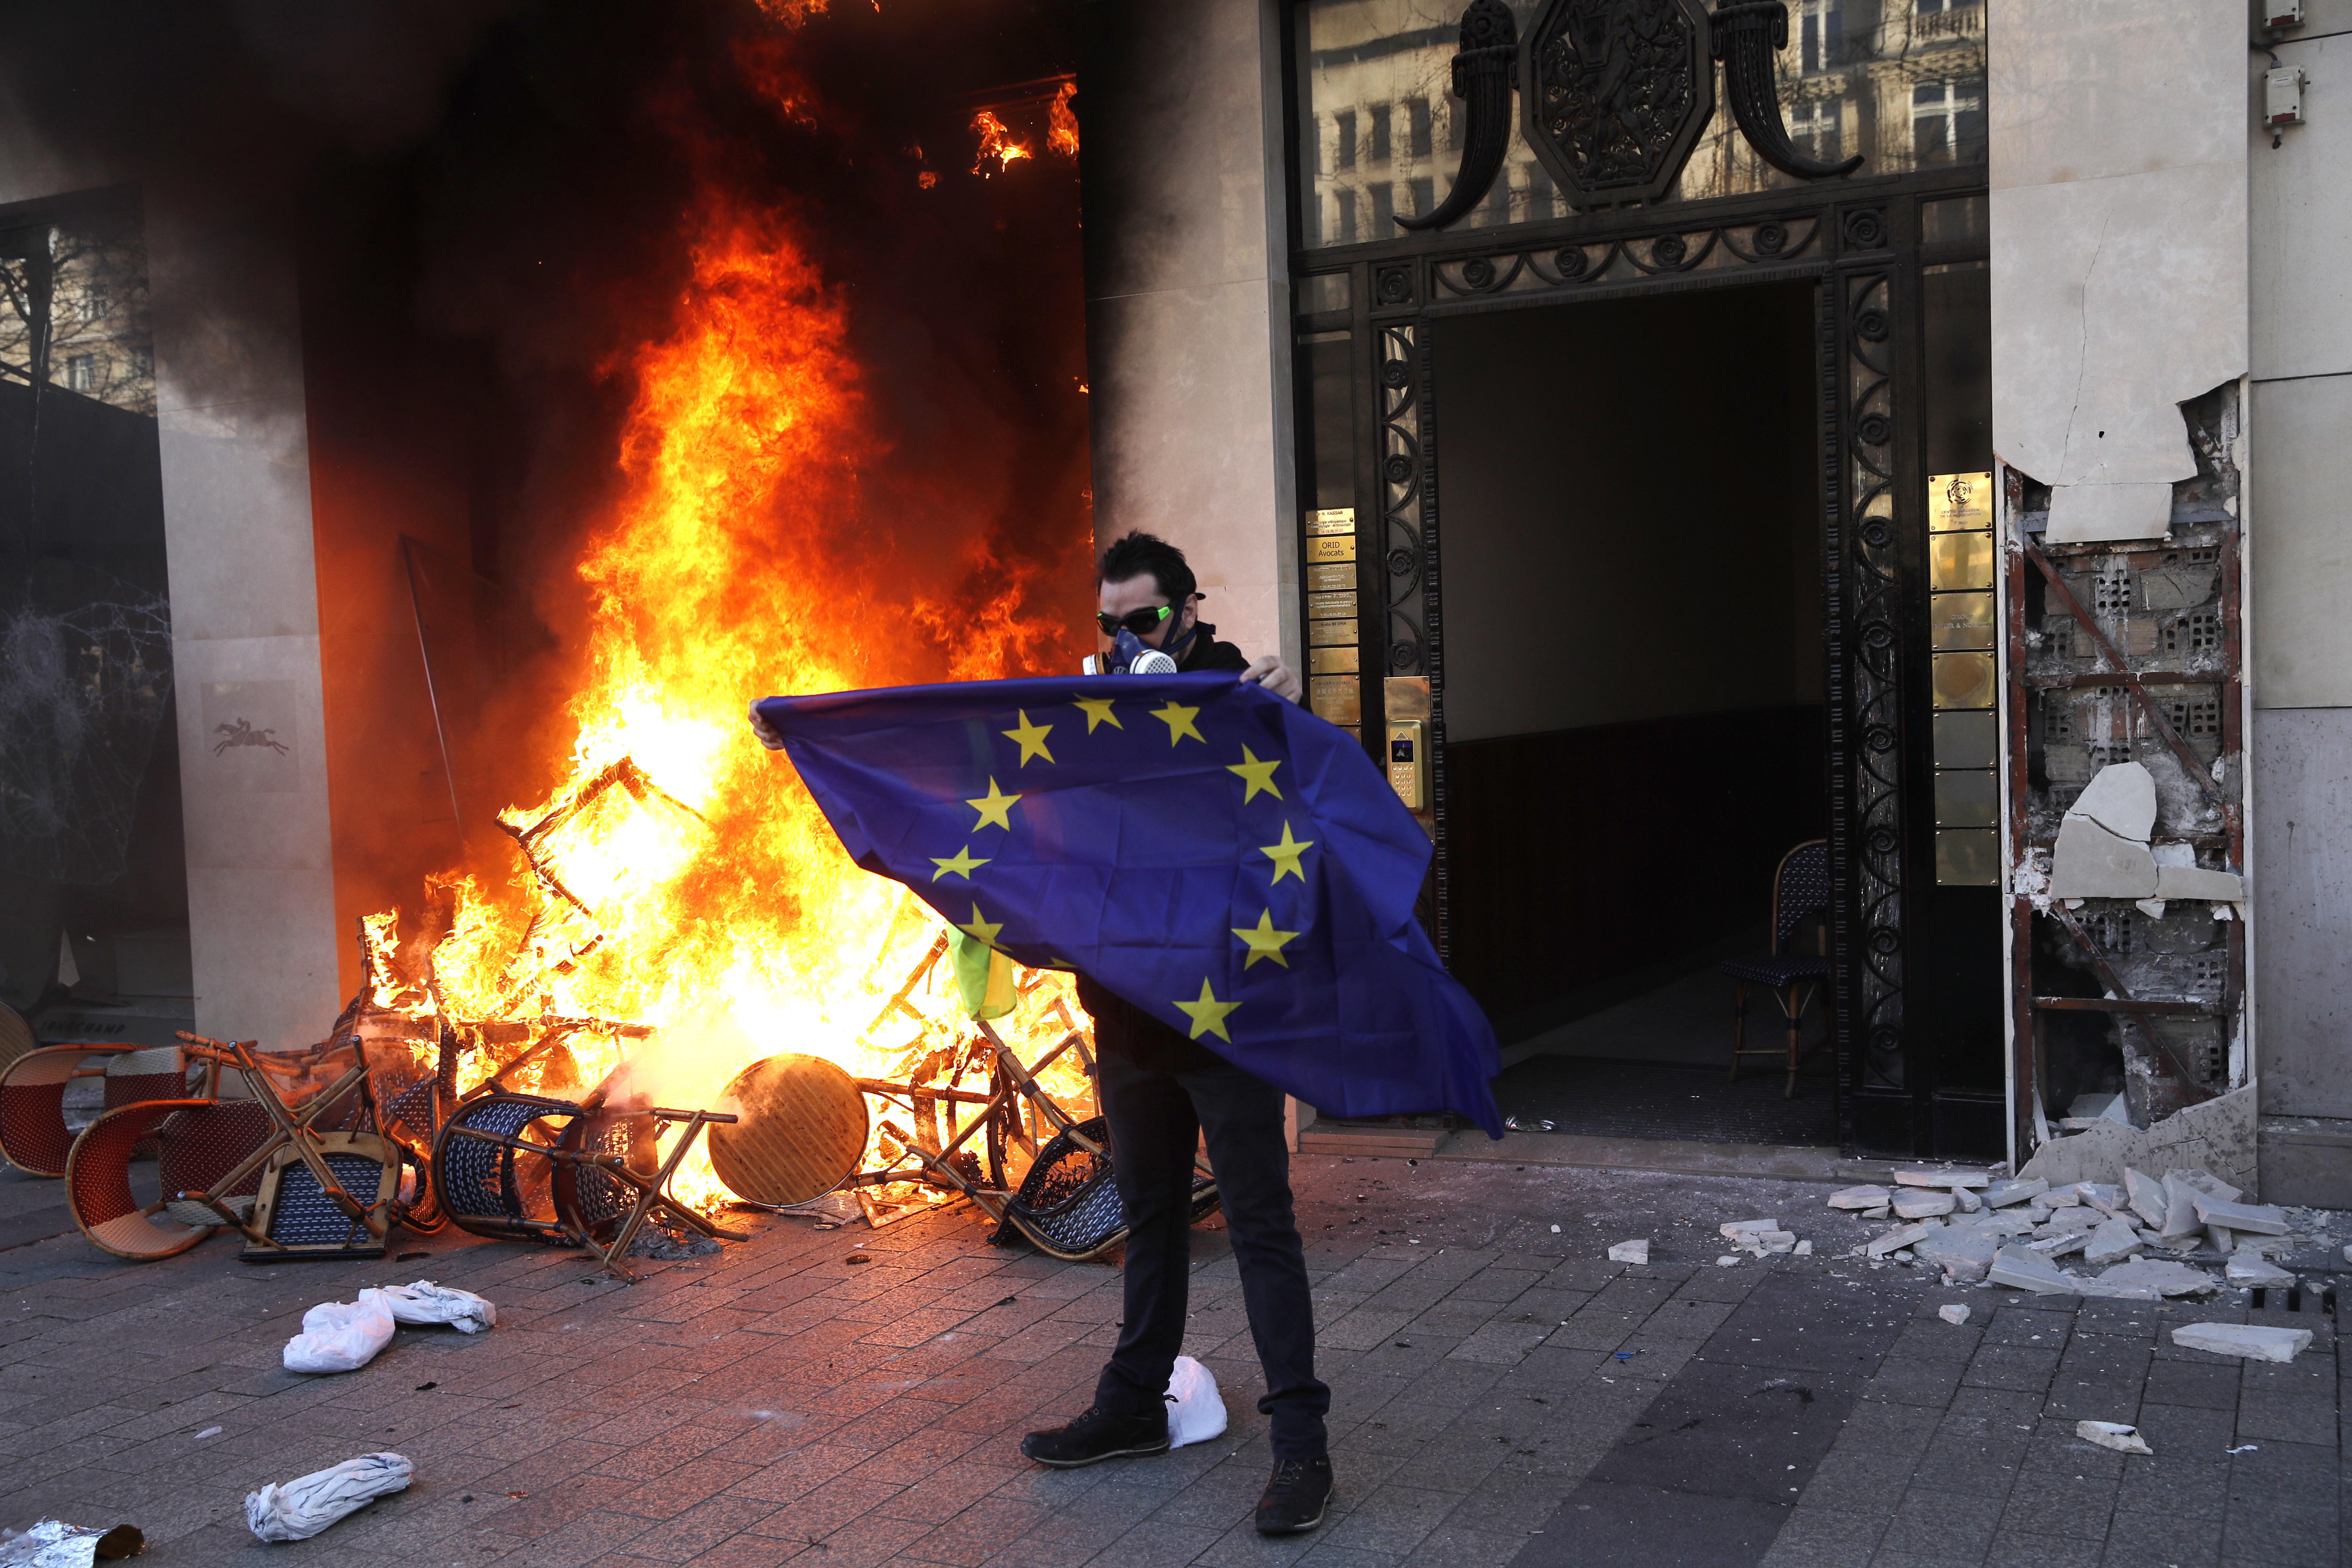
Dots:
{"x": 1383, "y": 213}
{"x": 1901, "y": 83}
{"x": 1947, "y": 122}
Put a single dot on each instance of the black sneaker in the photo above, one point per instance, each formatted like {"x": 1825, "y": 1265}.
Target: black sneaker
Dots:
{"x": 1098, "y": 1435}
{"x": 1295, "y": 1497}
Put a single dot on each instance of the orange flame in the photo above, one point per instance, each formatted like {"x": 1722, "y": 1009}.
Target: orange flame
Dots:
{"x": 685, "y": 877}
{"x": 995, "y": 141}
{"x": 1062, "y": 124}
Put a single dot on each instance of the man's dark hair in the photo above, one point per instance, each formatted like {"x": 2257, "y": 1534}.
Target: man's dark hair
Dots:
{"x": 1140, "y": 552}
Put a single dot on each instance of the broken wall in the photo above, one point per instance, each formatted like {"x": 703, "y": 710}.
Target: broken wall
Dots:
{"x": 2118, "y": 149}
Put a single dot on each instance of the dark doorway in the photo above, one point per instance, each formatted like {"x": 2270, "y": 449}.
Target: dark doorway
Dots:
{"x": 1634, "y": 694}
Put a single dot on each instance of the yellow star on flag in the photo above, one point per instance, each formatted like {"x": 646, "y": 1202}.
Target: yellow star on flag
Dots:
{"x": 1179, "y": 720}
{"x": 962, "y": 864}
{"x": 981, "y": 930}
{"x": 1097, "y": 711}
{"x": 1265, "y": 941}
{"x": 1032, "y": 738}
{"x": 1257, "y": 774}
{"x": 1285, "y": 854}
{"x": 996, "y": 807}
{"x": 1208, "y": 1013}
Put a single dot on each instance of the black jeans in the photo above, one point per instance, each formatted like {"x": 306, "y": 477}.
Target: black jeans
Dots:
{"x": 1160, "y": 1091}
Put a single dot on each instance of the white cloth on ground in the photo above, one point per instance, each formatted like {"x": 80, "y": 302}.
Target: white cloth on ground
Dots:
{"x": 425, "y": 1302}
{"x": 308, "y": 1504}
{"x": 1196, "y": 1413}
{"x": 340, "y": 1336}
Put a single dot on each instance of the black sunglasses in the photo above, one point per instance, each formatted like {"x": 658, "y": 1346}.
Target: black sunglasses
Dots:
{"x": 1142, "y": 623}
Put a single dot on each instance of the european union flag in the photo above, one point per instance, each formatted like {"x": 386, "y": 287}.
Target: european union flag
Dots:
{"x": 1222, "y": 858}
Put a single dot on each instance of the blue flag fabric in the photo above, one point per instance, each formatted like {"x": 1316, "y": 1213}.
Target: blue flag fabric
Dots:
{"x": 1220, "y": 857}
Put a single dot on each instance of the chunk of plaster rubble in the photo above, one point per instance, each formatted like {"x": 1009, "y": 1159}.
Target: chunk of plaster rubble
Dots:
{"x": 1896, "y": 1239}
{"x": 1739, "y": 1227}
{"x": 1943, "y": 1181}
{"x": 2089, "y": 862}
{"x": 2180, "y": 1220}
{"x": 2121, "y": 798}
{"x": 2262, "y": 1219}
{"x": 1728, "y": 1260}
{"x": 1804, "y": 1249}
{"x": 1955, "y": 1315}
{"x": 1629, "y": 1252}
{"x": 1920, "y": 1204}
{"x": 2165, "y": 1278}
{"x": 2194, "y": 882}
{"x": 2113, "y": 1241}
{"x": 2255, "y": 1341}
{"x": 2062, "y": 1197}
{"x": 2105, "y": 1196}
{"x": 2202, "y": 1180}
{"x": 2000, "y": 1195}
{"x": 2152, "y": 908}
{"x": 1860, "y": 1198}
{"x": 1967, "y": 1200}
{"x": 1964, "y": 1253}
{"x": 1882, "y": 1212}
{"x": 2148, "y": 1198}
{"x": 2115, "y": 1435}
{"x": 2245, "y": 1268}
{"x": 2025, "y": 1271}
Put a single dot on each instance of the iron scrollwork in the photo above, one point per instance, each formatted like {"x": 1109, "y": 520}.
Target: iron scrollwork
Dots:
{"x": 1872, "y": 572}
{"x": 1482, "y": 79}
{"x": 1613, "y": 95}
{"x": 1403, "y": 551}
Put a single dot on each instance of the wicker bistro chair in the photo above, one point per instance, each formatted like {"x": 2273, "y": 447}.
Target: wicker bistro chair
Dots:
{"x": 202, "y": 1145}
{"x": 518, "y": 1167}
{"x": 33, "y": 1132}
{"x": 1801, "y": 892}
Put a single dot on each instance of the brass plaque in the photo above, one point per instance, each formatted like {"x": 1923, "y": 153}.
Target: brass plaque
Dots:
{"x": 1967, "y": 856}
{"x": 1330, "y": 634}
{"x": 1331, "y": 547}
{"x": 1405, "y": 697}
{"x": 1966, "y": 797}
{"x": 1968, "y": 740}
{"x": 1331, "y": 579}
{"x": 1962, "y": 679}
{"x": 1338, "y": 698}
{"x": 1959, "y": 502}
{"x": 1332, "y": 607}
{"x": 1332, "y": 520}
{"x": 1334, "y": 660}
{"x": 1957, "y": 561}
{"x": 1960, "y": 620}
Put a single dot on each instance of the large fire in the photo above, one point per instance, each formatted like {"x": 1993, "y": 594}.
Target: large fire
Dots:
{"x": 681, "y": 882}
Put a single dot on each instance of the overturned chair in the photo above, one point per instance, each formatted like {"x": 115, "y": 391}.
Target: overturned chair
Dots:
{"x": 33, "y": 1133}
{"x": 520, "y": 1167}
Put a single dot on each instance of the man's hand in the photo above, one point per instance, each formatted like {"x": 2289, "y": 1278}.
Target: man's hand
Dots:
{"x": 1274, "y": 676}
{"x": 767, "y": 737}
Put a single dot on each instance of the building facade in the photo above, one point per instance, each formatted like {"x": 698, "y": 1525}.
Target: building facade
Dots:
{"x": 1693, "y": 497}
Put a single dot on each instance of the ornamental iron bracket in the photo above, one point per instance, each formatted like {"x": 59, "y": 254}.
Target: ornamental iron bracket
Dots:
{"x": 1614, "y": 95}
{"x": 1747, "y": 36}
{"x": 1482, "y": 79}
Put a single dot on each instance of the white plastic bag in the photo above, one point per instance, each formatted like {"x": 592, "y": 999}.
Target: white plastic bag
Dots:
{"x": 308, "y": 1504}
{"x": 340, "y": 1336}
{"x": 425, "y": 1302}
{"x": 1195, "y": 1411}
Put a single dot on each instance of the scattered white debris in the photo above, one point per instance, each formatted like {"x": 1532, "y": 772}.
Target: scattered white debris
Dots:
{"x": 2262, "y": 1219}
{"x": 1860, "y": 1198}
{"x": 1964, "y": 1253}
{"x": 1555, "y": 1230}
{"x": 2113, "y": 1241}
{"x": 1728, "y": 1260}
{"x": 1956, "y": 1314}
{"x": 2253, "y": 1269}
{"x": 2255, "y": 1341}
{"x": 2165, "y": 1278}
{"x": 1740, "y": 1227}
{"x": 1629, "y": 1252}
{"x": 1896, "y": 1239}
{"x": 1804, "y": 1249}
{"x": 1944, "y": 1180}
{"x": 2115, "y": 1435}
{"x": 305, "y": 1505}
{"x": 1923, "y": 1205}
{"x": 207, "y": 1432}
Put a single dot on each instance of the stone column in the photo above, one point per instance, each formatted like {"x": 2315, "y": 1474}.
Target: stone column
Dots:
{"x": 1188, "y": 301}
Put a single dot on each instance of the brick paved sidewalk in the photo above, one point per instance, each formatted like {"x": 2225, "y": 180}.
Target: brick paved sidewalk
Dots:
{"x": 1502, "y": 1395}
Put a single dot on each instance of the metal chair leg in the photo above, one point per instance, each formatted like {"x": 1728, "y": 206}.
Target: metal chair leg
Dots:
{"x": 1738, "y": 1025}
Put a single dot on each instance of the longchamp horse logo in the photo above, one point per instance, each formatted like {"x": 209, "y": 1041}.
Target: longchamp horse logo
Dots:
{"x": 243, "y": 733}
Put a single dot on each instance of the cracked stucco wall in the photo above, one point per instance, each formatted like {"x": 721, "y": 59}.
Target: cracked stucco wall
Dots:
{"x": 2118, "y": 170}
